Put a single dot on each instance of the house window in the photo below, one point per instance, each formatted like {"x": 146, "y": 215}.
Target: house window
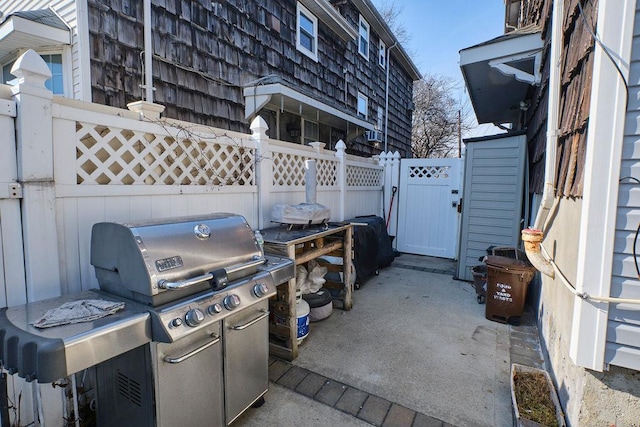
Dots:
{"x": 311, "y": 131}
{"x": 363, "y": 45}
{"x": 54, "y": 61}
{"x": 363, "y": 106}
{"x": 382, "y": 54}
{"x": 307, "y": 33}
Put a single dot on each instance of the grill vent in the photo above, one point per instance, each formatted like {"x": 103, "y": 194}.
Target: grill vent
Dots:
{"x": 129, "y": 389}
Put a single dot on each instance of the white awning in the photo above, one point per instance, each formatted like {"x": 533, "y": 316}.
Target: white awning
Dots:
{"x": 277, "y": 96}
{"x": 499, "y": 73}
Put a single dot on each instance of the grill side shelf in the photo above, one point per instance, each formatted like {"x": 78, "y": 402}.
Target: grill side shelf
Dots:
{"x": 49, "y": 354}
{"x": 31, "y": 356}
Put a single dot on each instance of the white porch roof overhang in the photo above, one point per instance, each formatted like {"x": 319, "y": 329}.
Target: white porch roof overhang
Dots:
{"x": 34, "y": 30}
{"x": 498, "y": 74}
{"x": 279, "y": 97}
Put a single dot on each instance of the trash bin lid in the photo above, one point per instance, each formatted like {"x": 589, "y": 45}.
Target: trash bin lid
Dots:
{"x": 508, "y": 263}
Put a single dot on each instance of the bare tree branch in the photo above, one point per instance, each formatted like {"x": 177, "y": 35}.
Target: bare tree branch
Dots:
{"x": 390, "y": 13}
{"x": 438, "y": 118}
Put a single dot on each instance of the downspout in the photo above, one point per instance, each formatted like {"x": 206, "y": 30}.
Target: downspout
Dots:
{"x": 148, "y": 53}
{"x": 386, "y": 98}
{"x": 532, "y": 237}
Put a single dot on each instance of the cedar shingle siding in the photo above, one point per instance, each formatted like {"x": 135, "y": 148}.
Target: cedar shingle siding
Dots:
{"x": 205, "y": 52}
{"x": 575, "y": 95}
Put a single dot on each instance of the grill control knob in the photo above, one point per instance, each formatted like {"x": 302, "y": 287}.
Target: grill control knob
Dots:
{"x": 194, "y": 317}
{"x": 214, "y": 309}
{"x": 176, "y": 322}
{"x": 260, "y": 289}
{"x": 231, "y": 301}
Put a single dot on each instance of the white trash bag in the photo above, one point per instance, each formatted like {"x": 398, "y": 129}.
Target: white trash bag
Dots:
{"x": 316, "y": 277}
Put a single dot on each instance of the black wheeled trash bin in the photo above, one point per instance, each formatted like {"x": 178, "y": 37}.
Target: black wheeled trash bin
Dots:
{"x": 507, "y": 282}
{"x": 480, "y": 282}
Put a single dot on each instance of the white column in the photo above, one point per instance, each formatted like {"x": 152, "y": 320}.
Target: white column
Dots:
{"x": 342, "y": 177}
{"x": 34, "y": 131}
{"x": 600, "y": 196}
{"x": 264, "y": 175}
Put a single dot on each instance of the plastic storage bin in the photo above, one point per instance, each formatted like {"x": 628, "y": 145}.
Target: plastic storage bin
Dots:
{"x": 507, "y": 282}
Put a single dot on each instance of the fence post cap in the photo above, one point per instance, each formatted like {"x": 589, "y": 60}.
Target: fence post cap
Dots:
{"x": 259, "y": 128}
{"x": 31, "y": 70}
{"x": 317, "y": 145}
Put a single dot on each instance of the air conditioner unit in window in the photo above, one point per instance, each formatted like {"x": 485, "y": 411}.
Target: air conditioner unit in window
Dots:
{"x": 374, "y": 135}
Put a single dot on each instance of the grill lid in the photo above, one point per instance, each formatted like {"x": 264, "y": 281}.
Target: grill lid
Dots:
{"x": 163, "y": 260}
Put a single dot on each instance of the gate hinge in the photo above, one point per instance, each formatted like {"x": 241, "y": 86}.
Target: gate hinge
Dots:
{"x": 15, "y": 190}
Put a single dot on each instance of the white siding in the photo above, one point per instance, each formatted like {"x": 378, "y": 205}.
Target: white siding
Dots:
{"x": 492, "y": 200}
{"x": 623, "y": 331}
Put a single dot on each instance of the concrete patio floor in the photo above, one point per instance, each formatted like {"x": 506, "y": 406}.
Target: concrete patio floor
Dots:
{"x": 415, "y": 350}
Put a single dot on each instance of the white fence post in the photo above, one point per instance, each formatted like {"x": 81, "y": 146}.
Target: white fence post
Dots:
{"x": 264, "y": 173}
{"x": 395, "y": 183}
{"x": 342, "y": 177}
{"x": 387, "y": 183}
{"x": 34, "y": 130}
{"x": 12, "y": 282}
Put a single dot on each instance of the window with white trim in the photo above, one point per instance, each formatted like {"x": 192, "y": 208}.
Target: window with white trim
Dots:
{"x": 307, "y": 32}
{"x": 363, "y": 39}
{"x": 363, "y": 106}
{"x": 54, "y": 61}
{"x": 382, "y": 54}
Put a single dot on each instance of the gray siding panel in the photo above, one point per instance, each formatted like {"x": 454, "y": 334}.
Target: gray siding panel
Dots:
{"x": 620, "y": 355}
{"x": 623, "y": 329}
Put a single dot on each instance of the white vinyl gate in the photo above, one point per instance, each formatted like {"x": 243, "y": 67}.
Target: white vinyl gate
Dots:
{"x": 428, "y": 199}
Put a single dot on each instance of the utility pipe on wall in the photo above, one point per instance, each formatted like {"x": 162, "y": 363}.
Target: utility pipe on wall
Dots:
{"x": 533, "y": 237}
{"x": 148, "y": 53}
{"x": 386, "y": 98}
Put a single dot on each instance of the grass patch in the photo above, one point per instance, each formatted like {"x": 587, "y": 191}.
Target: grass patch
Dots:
{"x": 534, "y": 398}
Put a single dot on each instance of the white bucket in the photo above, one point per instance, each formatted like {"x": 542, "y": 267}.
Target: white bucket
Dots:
{"x": 302, "y": 317}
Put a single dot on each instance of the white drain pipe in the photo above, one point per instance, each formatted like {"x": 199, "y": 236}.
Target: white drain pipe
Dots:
{"x": 533, "y": 236}
{"x": 148, "y": 52}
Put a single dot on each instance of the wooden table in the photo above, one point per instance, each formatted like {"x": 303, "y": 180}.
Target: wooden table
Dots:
{"x": 304, "y": 245}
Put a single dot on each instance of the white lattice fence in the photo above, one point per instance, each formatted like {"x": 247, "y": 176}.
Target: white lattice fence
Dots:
{"x": 289, "y": 170}
{"x": 364, "y": 176}
{"x": 429, "y": 172}
{"x": 108, "y": 155}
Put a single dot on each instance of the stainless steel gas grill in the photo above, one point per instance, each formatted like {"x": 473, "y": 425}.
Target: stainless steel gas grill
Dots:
{"x": 190, "y": 344}
{"x": 207, "y": 285}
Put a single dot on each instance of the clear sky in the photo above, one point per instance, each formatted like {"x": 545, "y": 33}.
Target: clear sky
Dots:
{"x": 438, "y": 29}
